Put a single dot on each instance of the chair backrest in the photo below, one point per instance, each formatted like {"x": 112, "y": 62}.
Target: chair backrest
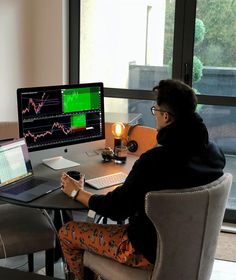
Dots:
{"x": 188, "y": 224}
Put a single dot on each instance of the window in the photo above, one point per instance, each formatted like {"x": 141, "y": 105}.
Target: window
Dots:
{"x": 214, "y": 74}
{"x": 121, "y": 45}
{"x": 214, "y": 63}
{"x": 131, "y": 45}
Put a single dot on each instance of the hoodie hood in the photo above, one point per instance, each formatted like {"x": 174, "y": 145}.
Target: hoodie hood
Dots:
{"x": 190, "y": 134}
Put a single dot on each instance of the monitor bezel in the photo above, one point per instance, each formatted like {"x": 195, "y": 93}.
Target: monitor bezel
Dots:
{"x": 23, "y": 90}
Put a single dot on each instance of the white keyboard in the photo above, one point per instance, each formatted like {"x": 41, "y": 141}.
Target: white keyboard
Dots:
{"x": 107, "y": 180}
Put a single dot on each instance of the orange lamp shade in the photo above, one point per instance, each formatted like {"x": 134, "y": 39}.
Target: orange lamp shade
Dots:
{"x": 118, "y": 129}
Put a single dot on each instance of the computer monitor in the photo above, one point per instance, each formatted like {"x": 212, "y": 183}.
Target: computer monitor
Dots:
{"x": 55, "y": 118}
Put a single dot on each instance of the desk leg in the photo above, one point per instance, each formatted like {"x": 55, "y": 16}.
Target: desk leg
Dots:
{"x": 49, "y": 263}
{"x": 58, "y": 222}
{"x": 50, "y": 254}
{"x": 60, "y": 218}
{"x": 57, "y": 219}
{"x": 31, "y": 262}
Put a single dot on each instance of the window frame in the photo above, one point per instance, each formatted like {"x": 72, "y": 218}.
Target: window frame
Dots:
{"x": 183, "y": 50}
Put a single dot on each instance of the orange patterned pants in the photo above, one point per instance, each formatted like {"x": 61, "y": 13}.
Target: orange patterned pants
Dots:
{"x": 106, "y": 240}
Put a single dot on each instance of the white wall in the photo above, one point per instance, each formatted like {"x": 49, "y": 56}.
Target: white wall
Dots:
{"x": 32, "y": 49}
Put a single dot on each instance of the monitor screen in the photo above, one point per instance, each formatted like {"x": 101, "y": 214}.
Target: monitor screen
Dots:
{"x": 55, "y": 116}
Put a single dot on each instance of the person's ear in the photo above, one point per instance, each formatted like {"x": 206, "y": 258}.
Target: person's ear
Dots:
{"x": 167, "y": 117}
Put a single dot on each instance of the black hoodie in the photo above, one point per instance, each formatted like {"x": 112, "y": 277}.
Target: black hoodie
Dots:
{"x": 184, "y": 158}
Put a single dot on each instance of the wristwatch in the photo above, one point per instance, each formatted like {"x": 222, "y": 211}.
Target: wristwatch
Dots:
{"x": 74, "y": 193}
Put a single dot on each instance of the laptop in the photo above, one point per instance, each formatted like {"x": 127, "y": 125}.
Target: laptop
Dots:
{"x": 17, "y": 180}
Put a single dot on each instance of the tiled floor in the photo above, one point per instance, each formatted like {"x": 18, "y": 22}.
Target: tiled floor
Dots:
{"x": 20, "y": 262}
{"x": 222, "y": 270}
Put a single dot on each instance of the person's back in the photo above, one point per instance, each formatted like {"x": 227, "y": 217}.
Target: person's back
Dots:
{"x": 184, "y": 158}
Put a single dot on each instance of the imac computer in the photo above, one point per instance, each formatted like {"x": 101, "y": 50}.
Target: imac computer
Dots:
{"x": 58, "y": 122}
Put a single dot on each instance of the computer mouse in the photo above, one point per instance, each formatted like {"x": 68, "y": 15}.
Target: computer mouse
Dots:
{"x": 74, "y": 174}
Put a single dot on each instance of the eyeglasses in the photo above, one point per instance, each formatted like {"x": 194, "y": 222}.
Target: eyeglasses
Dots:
{"x": 154, "y": 110}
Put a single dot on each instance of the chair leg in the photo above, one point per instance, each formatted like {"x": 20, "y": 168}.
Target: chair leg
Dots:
{"x": 31, "y": 262}
{"x": 58, "y": 222}
{"x": 88, "y": 274}
{"x": 49, "y": 262}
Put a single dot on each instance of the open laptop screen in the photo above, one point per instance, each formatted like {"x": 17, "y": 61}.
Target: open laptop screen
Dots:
{"x": 14, "y": 162}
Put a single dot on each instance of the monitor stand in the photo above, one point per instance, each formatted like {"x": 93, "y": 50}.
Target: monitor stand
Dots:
{"x": 59, "y": 162}
{"x": 66, "y": 156}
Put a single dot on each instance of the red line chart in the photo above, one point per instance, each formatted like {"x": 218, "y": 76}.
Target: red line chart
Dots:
{"x": 57, "y": 125}
{"x": 36, "y": 107}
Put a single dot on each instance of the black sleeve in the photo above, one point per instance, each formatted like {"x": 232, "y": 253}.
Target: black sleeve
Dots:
{"x": 123, "y": 201}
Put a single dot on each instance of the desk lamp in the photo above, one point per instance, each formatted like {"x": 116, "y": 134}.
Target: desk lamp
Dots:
{"x": 118, "y": 130}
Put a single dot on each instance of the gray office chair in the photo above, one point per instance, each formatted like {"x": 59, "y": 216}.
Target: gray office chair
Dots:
{"x": 24, "y": 231}
{"x": 188, "y": 223}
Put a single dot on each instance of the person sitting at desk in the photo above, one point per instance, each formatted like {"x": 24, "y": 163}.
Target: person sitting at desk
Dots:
{"x": 184, "y": 157}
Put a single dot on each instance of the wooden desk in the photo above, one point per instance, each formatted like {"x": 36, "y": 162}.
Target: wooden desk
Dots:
{"x": 91, "y": 165}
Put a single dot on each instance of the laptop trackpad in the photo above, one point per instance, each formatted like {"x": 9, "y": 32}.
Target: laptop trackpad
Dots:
{"x": 41, "y": 189}
{"x": 36, "y": 192}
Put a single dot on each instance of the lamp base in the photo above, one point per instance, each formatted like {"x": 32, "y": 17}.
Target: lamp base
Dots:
{"x": 117, "y": 142}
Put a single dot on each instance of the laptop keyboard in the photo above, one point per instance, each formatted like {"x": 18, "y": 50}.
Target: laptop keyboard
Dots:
{"x": 107, "y": 181}
{"x": 32, "y": 183}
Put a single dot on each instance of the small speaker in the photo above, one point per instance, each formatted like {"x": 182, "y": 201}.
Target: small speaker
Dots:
{"x": 132, "y": 145}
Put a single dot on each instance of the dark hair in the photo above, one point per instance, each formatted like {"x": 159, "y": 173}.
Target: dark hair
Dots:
{"x": 176, "y": 97}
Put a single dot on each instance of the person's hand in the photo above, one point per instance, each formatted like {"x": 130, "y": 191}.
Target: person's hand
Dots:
{"x": 68, "y": 184}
